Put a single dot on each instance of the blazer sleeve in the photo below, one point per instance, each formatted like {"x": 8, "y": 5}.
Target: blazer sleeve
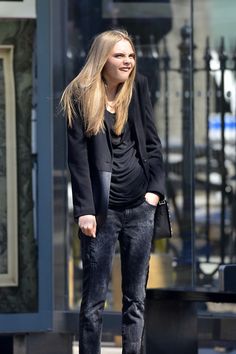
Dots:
{"x": 154, "y": 148}
{"x": 78, "y": 163}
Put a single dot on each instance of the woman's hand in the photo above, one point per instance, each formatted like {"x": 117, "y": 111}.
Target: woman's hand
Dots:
{"x": 88, "y": 225}
{"x": 152, "y": 198}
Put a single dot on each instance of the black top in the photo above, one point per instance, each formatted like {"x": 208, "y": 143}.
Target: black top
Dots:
{"x": 128, "y": 180}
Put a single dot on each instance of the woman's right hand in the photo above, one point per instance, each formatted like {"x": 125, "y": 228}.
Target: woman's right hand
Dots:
{"x": 88, "y": 225}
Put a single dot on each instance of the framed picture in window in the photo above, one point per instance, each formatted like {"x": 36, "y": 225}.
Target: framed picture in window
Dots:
{"x": 8, "y": 172}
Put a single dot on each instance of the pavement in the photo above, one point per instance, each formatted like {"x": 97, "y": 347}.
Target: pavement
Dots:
{"x": 216, "y": 351}
{"x": 110, "y": 349}
{"x": 105, "y": 350}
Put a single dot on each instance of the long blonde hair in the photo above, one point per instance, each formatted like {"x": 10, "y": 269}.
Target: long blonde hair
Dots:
{"x": 87, "y": 90}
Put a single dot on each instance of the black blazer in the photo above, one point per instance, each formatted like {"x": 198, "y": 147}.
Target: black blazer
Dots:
{"x": 90, "y": 158}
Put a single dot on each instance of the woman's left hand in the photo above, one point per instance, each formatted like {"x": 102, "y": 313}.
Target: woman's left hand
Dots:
{"x": 152, "y": 198}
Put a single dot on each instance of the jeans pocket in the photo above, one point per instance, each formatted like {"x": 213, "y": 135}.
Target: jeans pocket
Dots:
{"x": 150, "y": 205}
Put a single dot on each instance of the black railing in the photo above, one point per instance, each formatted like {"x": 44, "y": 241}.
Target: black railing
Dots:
{"x": 211, "y": 157}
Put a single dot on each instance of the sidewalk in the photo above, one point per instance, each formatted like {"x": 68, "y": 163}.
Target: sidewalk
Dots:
{"x": 105, "y": 349}
{"x": 114, "y": 350}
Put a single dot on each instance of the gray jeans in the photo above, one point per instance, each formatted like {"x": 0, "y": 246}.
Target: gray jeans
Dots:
{"x": 134, "y": 229}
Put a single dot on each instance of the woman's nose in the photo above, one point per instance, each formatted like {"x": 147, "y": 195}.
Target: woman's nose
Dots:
{"x": 126, "y": 60}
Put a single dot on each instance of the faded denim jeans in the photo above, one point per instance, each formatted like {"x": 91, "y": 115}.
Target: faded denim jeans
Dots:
{"x": 134, "y": 229}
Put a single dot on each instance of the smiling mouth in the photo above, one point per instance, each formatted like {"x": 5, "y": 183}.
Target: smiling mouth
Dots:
{"x": 125, "y": 69}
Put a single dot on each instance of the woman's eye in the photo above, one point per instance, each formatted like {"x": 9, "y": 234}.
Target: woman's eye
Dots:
{"x": 120, "y": 56}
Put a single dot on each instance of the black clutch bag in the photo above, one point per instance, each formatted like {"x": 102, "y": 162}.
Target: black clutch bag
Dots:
{"x": 162, "y": 222}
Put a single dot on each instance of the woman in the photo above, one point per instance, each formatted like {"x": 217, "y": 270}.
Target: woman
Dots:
{"x": 115, "y": 161}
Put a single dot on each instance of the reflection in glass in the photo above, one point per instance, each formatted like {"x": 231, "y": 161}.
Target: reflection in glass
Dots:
{"x": 204, "y": 237}
{"x": 155, "y": 27}
{"x": 215, "y": 138}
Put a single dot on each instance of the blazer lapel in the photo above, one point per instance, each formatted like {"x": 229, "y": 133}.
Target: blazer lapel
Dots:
{"x": 135, "y": 115}
{"x": 107, "y": 129}
{"x": 135, "y": 118}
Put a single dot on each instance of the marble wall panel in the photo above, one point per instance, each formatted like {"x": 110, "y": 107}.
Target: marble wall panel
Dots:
{"x": 22, "y": 298}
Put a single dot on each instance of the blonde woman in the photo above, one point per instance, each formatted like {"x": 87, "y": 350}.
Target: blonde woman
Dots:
{"x": 115, "y": 161}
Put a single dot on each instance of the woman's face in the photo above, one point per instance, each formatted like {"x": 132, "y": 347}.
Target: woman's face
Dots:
{"x": 120, "y": 63}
